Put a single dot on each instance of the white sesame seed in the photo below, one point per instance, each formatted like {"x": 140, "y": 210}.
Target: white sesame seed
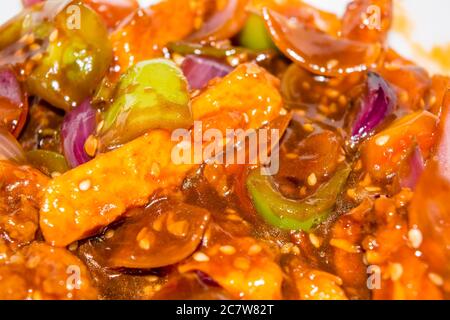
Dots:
{"x": 144, "y": 244}
{"x": 316, "y": 242}
{"x": 109, "y": 234}
{"x": 415, "y": 237}
{"x": 312, "y": 179}
{"x": 55, "y": 174}
{"x": 382, "y": 140}
{"x": 436, "y": 279}
{"x": 85, "y": 185}
{"x": 200, "y": 257}
{"x": 228, "y": 250}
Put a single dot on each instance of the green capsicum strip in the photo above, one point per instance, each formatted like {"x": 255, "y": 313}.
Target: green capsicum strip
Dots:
{"x": 285, "y": 213}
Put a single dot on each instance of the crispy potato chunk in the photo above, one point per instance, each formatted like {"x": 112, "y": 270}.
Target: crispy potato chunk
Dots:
{"x": 249, "y": 89}
{"x": 82, "y": 201}
{"x": 319, "y": 285}
{"x": 40, "y": 271}
{"x": 144, "y": 34}
{"x": 19, "y": 203}
{"x": 241, "y": 266}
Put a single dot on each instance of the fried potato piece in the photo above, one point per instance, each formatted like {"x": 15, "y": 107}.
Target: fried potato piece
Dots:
{"x": 383, "y": 153}
{"x": 82, "y": 201}
{"x": 410, "y": 278}
{"x": 319, "y": 285}
{"x": 244, "y": 267}
{"x": 40, "y": 271}
{"x": 19, "y": 203}
{"x": 248, "y": 89}
{"x": 144, "y": 34}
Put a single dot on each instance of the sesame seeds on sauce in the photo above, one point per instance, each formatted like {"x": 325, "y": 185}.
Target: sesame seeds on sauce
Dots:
{"x": 382, "y": 140}
{"x": 415, "y": 237}
{"x": 228, "y": 250}
{"x": 312, "y": 180}
{"x": 85, "y": 185}
{"x": 200, "y": 257}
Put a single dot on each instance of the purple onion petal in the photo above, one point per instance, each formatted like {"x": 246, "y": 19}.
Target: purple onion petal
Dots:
{"x": 206, "y": 279}
{"x": 10, "y": 148}
{"x": 378, "y": 103}
{"x": 77, "y": 126}
{"x": 200, "y": 70}
{"x": 10, "y": 87}
{"x": 415, "y": 166}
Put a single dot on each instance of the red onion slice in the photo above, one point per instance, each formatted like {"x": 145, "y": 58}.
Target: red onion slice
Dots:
{"x": 10, "y": 149}
{"x": 13, "y": 102}
{"x": 10, "y": 87}
{"x": 376, "y": 105}
{"x": 77, "y": 126}
{"x": 200, "y": 70}
{"x": 414, "y": 167}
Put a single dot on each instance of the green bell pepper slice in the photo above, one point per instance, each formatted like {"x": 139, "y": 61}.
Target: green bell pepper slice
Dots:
{"x": 255, "y": 35}
{"x": 153, "y": 94}
{"x": 289, "y": 214}
{"x": 47, "y": 161}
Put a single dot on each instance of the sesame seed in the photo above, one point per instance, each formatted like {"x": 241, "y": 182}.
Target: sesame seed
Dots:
{"x": 228, "y": 250}
{"x": 144, "y": 244}
{"x": 200, "y": 257}
{"x": 37, "y": 57}
{"x": 308, "y": 127}
{"x": 344, "y": 245}
{"x": 90, "y": 146}
{"x": 415, "y": 237}
{"x": 436, "y": 279}
{"x": 152, "y": 278}
{"x": 55, "y": 174}
{"x": 100, "y": 126}
{"x": 144, "y": 238}
{"x": 312, "y": 179}
{"x": 396, "y": 271}
{"x": 230, "y": 211}
{"x": 73, "y": 246}
{"x": 179, "y": 228}
{"x": 53, "y": 35}
{"x": 373, "y": 189}
{"x": 109, "y": 234}
{"x": 315, "y": 240}
{"x": 84, "y": 185}
{"x": 155, "y": 169}
{"x": 332, "y": 64}
{"x": 382, "y": 140}
{"x": 254, "y": 249}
